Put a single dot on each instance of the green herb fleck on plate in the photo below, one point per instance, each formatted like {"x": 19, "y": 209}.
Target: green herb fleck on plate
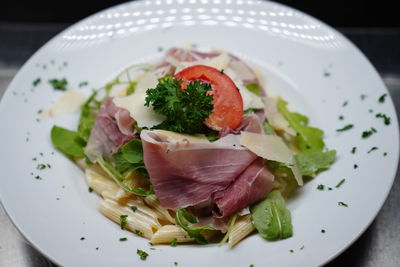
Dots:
{"x": 340, "y": 183}
{"x": 36, "y": 82}
{"x": 368, "y": 133}
{"x": 142, "y": 254}
{"x": 340, "y": 203}
{"x": 123, "y": 239}
{"x": 59, "y": 84}
{"x": 381, "y": 99}
{"x": 345, "y": 128}
{"x": 372, "y": 149}
{"x": 386, "y": 119}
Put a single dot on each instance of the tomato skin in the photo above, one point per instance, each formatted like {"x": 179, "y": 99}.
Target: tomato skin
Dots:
{"x": 228, "y": 103}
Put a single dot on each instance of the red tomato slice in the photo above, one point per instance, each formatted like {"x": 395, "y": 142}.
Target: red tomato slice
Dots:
{"x": 228, "y": 103}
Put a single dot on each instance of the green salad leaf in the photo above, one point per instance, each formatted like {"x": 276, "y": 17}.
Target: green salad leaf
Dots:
{"x": 254, "y": 88}
{"x": 88, "y": 116}
{"x": 308, "y": 138}
{"x": 182, "y": 217}
{"x": 68, "y": 142}
{"x": 312, "y": 162}
{"x": 130, "y": 158}
{"x": 271, "y": 218}
{"x": 123, "y": 181}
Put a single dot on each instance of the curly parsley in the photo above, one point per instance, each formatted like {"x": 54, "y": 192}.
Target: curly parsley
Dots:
{"x": 185, "y": 110}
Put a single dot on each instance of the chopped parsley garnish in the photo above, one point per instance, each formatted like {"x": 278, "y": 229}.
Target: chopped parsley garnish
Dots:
{"x": 82, "y": 238}
{"x": 36, "y": 82}
{"x": 37, "y": 177}
{"x": 327, "y": 74}
{"x": 340, "y": 183}
{"x": 341, "y": 117}
{"x": 90, "y": 190}
{"x": 355, "y": 166}
{"x": 185, "y": 110}
{"x": 386, "y": 119}
{"x": 142, "y": 254}
{"x": 368, "y": 133}
{"x": 385, "y": 154}
{"x": 291, "y": 251}
{"x": 176, "y": 263}
{"x": 251, "y": 265}
{"x": 84, "y": 83}
{"x": 340, "y": 203}
{"x": 222, "y": 71}
{"x": 320, "y": 187}
{"x": 123, "y": 239}
{"x": 329, "y": 188}
{"x": 353, "y": 150}
{"x": 372, "y": 149}
{"x": 345, "y": 128}
{"x": 381, "y": 99}
{"x": 302, "y": 247}
{"x": 41, "y": 166}
{"x": 370, "y": 110}
{"x": 345, "y": 103}
{"x": 134, "y": 208}
{"x": 122, "y": 221}
{"x": 138, "y": 232}
{"x": 323, "y": 231}
{"x": 97, "y": 248}
{"x": 173, "y": 242}
{"x": 362, "y": 96}
{"x": 59, "y": 84}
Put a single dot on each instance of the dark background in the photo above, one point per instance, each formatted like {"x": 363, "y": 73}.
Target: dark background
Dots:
{"x": 339, "y": 13}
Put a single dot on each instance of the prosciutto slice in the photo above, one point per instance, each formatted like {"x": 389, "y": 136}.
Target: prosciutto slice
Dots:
{"x": 252, "y": 185}
{"x": 112, "y": 129}
{"x": 185, "y": 173}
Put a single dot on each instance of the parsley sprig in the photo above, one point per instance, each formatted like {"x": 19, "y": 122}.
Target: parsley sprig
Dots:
{"x": 185, "y": 110}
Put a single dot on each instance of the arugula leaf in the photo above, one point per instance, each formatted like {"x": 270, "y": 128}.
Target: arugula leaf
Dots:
{"x": 185, "y": 110}
{"x": 308, "y": 138}
{"x": 271, "y": 218}
{"x": 123, "y": 182}
{"x": 193, "y": 231}
{"x": 284, "y": 180}
{"x": 254, "y": 88}
{"x": 68, "y": 142}
{"x": 130, "y": 158}
{"x": 312, "y": 162}
{"x": 88, "y": 116}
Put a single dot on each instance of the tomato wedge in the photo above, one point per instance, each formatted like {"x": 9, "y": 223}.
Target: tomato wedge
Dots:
{"x": 228, "y": 103}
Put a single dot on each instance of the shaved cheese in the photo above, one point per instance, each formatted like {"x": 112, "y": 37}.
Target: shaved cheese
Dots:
{"x": 219, "y": 62}
{"x": 68, "y": 102}
{"x": 250, "y": 100}
{"x": 271, "y": 147}
{"x": 176, "y": 137}
{"x": 275, "y": 118}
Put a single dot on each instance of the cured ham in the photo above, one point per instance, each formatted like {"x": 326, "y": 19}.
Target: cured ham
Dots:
{"x": 112, "y": 129}
{"x": 252, "y": 185}
{"x": 187, "y": 172}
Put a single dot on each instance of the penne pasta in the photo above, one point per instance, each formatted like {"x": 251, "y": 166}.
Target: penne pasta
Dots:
{"x": 99, "y": 183}
{"x": 169, "y": 233}
{"x": 138, "y": 223}
{"x": 242, "y": 228}
{"x": 153, "y": 202}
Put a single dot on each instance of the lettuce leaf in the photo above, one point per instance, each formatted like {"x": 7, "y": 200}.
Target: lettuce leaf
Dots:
{"x": 308, "y": 139}
{"x": 88, "y": 116}
{"x": 271, "y": 218}
{"x": 193, "y": 231}
{"x": 312, "y": 162}
{"x": 67, "y": 141}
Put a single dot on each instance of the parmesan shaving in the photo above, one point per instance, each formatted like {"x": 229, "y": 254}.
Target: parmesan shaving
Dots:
{"x": 271, "y": 147}
{"x": 68, "y": 102}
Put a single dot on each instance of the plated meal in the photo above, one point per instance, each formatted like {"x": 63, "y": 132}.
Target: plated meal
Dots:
{"x": 262, "y": 139}
{"x": 192, "y": 148}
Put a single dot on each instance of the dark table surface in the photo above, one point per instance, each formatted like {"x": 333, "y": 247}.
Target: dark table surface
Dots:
{"x": 378, "y": 246}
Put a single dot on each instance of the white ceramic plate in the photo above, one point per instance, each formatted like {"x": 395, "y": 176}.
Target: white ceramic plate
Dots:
{"x": 308, "y": 63}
